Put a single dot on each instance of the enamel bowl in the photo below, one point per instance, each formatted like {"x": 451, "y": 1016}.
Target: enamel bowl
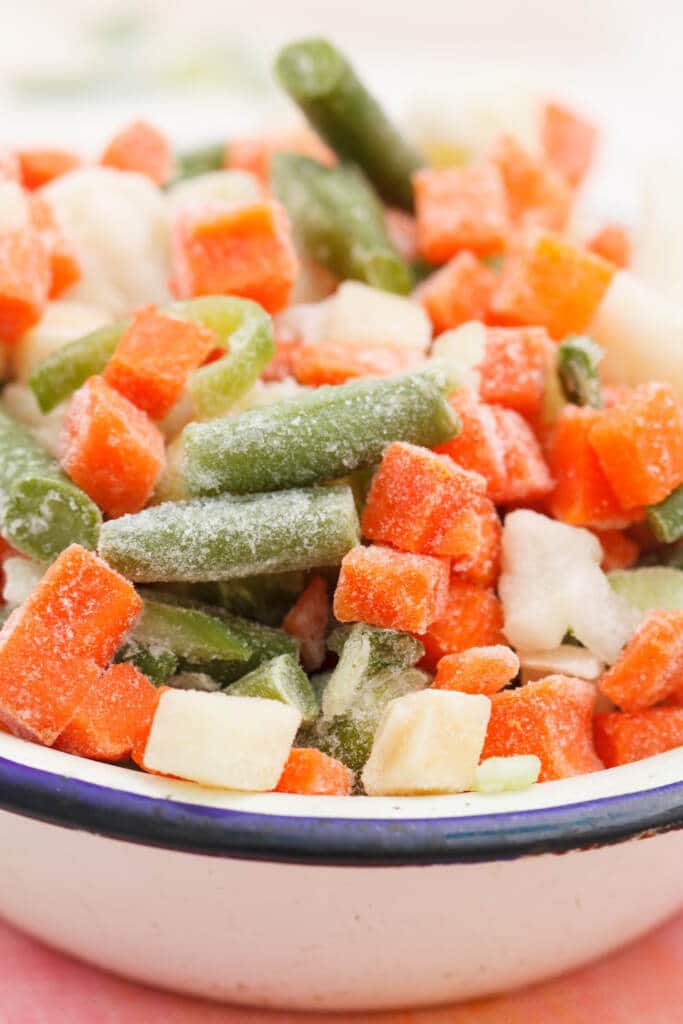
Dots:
{"x": 329, "y": 902}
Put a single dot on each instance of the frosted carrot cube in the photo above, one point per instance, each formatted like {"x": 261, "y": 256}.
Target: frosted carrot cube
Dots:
{"x": 551, "y": 718}
{"x": 142, "y": 148}
{"x": 613, "y": 243}
{"x": 568, "y": 141}
{"x": 482, "y": 565}
{"x": 335, "y": 363}
{"x": 111, "y": 449}
{"x": 622, "y": 737}
{"x": 650, "y": 666}
{"x": 25, "y": 278}
{"x": 40, "y": 166}
{"x": 478, "y": 446}
{"x": 515, "y": 368}
{"x": 477, "y": 670}
{"x": 460, "y": 208}
{"x": 459, "y": 291}
{"x": 527, "y": 477}
{"x": 391, "y": 589}
{"x": 310, "y": 771}
{"x": 537, "y": 194}
{"x": 619, "y": 551}
{"x": 65, "y": 268}
{"x": 307, "y": 621}
{"x": 472, "y": 617}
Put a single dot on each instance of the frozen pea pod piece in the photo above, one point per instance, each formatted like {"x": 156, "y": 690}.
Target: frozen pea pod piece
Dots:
{"x": 189, "y": 633}
{"x": 666, "y": 518}
{"x": 229, "y": 537}
{"x": 41, "y": 511}
{"x": 200, "y": 160}
{"x": 578, "y": 358}
{"x": 280, "y": 679}
{"x": 339, "y": 106}
{"x": 63, "y": 372}
{"x": 318, "y": 436}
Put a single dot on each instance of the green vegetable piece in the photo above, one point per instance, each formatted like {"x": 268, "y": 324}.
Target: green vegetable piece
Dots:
{"x": 666, "y": 518}
{"x": 224, "y": 538}
{"x": 68, "y": 367}
{"x": 41, "y": 511}
{"x": 656, "y": 586}
{"x": 156, "y": 662}
{"x": 265, "y": 598}
{"x": 578, "y": 357}
{"x": 319, "y": 436}
{"x": 281, "y": 679}
{"x": 338, "y": 221}
{"x": 320, "y": 79}
{"x": 189, "y": 633}
{"x": 506, "y": 774}
{"x": 201, "y": 160}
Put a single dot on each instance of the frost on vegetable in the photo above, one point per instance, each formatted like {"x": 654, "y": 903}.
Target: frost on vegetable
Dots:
{"x": 505, "y": 774}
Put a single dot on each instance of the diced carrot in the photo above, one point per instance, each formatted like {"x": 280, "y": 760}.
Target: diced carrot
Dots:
{"x": 460, "y": 208}
{"x": 568, "y": 141}
{"x": 527, "y": 477}
{"x": 25, "y": 278}
{"x": 254, "y": 153}
{"x": 483, "y": 565}
{"x": 537, "y": 194}
{"x": 116, "y": 713}
{"x": 336, "y": 362}
{"x": 472, "y": 617}
{"x": 310, "y": 771}
{"x": 550, "y": 282}
{"x": 402, "y": 231}
{"x": 639, "y": 444}
{"x": 649, "y": 668}
{"x": 281, "y": 365}
{"x": 613, "y": 243}
{"x": 457, "y": 292}
{"x": 423, "y": 502}
{"x": 111, "y": 448}
{"x": 154, "y": 359}
{"x": 142, "y": 148}
{"x": 619, "y": 551}
{"x": 40, "y": 166}
{"x": 515, "y": 368}
{"x": 235, "y": 250}
{"x": 137, "y": 753}
{"x": 391, "y": 589}
{"x": 65, "y": 269}
{"x": 10, "y": 168}
{"x": 615, "y": 394}
{"x": 551, "y": 718}
{"x": 307, "y": 621}
{"x": 622, "y": 737}
{"x": 477, "y": 670}
{"x": 478, "y": 446}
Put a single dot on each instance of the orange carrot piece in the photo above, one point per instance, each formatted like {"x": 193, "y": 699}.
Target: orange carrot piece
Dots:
{"x": 65, "y": 269}
{"x": 40, "y": 166}
{"x": 142, "y": 148}
{"x": 649, "y": 668}
{"x": 478, "y": 446}
{"x": 472, "y": 617}
{"x": 460, "y": 208}
{"x": 477, "y": 670}
{"x": 482, "y": 566}
{"x": 515, "y": 368}
{"x": 613, "y": 243}
{"x": 337, "y": 362}
{"x": 10, "y": 168}
{"x": 281, "y": 365}
{"x": 527, "y": 477}
{"x": 311, "y": 772}
{"x": 253, "y": 153}
{"x": 619, "y": 551}
{"x": 235, "y": 250}
{"x": 551, "y": 718}
{"x": 25, "y": 278}
{"x": 568, "y": 141}
{"x": 457, "y": 292}
{"x": 550, "y": 282}
{"x": 639, "y": 444}
{"x": 111, "y": 449}
{"x": 622, "y": 737}
{"x": 307, "y": 621}
{"x": 391, "y": 589}
{"x": 402, "y": 231}
{"x": 154, "y": 359}
{"x": 115, "y": 715}
{"x": 537, "y": 194}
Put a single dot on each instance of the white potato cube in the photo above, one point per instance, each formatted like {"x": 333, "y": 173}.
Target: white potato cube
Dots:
{"x": 565, "y": 660}
{"x": 505, "y": 774}
{"x": 21, "y": 576}
{"x": 229, "y": 186}
{"x": 303, "y": 321}
{"x": 360, "y": 315}
{"x": 217, "y": 740}
{"x": 20, "y": 402}
{"x": 427, "y": 742}
{"x": 62, "y": 322}
{"x": 461, "y": 350}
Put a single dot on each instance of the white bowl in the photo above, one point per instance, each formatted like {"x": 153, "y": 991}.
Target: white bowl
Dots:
{"x": 330, "y": 902}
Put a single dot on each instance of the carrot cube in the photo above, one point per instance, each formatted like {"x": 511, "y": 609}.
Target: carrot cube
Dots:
{"x": 307, "y": 621}
{"x": 460, "y": 208}
{"x": 649, "y": 668}
{"x": 242, "y": 250}
{"x": 482, "y": 566}
{"x": 40, "y": 166}
{"x": 65, "y": 269}
{"x": 154, "y": 359}
{"x": 568, "y": 142}
{"x": 142, "y": 148}
{"x": 111, "y": 449}
{"x": 619, "y": 551}
{"x": 25, "y": 278}
{"x": 478, "y": 446}
{"x": 537, "y": 194}
{"x": 253, "y": 153}
{"x": 477, "y": 670}
{"x": 310, "y": 771}
{"x": 551, "y": 718}
{"x": 622, "y": 737}
{"x": 515, "y": 368}
{"x": 472, "y": 617}
{"x": 391, "y": 589}
{"x": 527, "y": 477}
{"x": 640, "y": 445}
{"x": 459, "y": 291}
{"x": 550, "y": 282}
{"x": 613, "y": 243}
{"x": 336, "y": 362}
{"x": 281, "y": 365}
{"x": 116, "y": 714}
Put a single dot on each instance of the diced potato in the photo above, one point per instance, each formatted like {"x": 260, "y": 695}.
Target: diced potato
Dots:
{"x": 229, "y": 186}
{"x": 504, "y": 774}
{"x": 20, "y": 403}
{"x": 360, "y": 315}
{"x": 21, "y": 576}
{"x": 61, "y": 323}
{"x": 565, "y": 660}
{"x": 461, "y": 350}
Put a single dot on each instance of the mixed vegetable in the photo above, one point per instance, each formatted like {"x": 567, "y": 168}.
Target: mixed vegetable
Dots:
{"x": 331, "y": 463}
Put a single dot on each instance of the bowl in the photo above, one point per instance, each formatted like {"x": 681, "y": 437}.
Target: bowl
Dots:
{"x": 334, "y": 903}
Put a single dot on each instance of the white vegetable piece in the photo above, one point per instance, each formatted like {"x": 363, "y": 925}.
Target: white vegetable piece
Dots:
{"x": 552, "y": 582}
{"x": 21, "y": 576}
{"x": 641, "y": 333}
{"x": 14, "y": 209}
{"x": 117, "y": 222}
{"x": 360, "y": 315}
{"x": 304, "y": 321}
{"x": 427, "y": 742}
{"x": 658, "y": 248}
{"x": 216, "y": 740}
{"x": 62, "y": 322}
{"x": 565, "y": 660}
{"x": 462, "y": 349}
{"x": 229, "y": 186}
{"x": 20, "y": 402}
{"x": 504, "y": 774}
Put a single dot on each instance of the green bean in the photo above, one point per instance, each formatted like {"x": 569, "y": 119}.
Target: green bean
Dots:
{"x": 323, "y": 83}
{"x": 68, "y": 367}
{"x": 264, "y": 598}
{"x": 224, "y": 538}
{"x": 666, "y": 518}
{"x": 578, "y": 357}
{"x": 201, "y": 160}
{"x": 281, "y": 679}
{"x": 319, "y": 436}
{"x": 41, "y": 511}
{"x": 158, "y": 663}
{"x": 338, "y": 221}
{"x": 189, "y": 633}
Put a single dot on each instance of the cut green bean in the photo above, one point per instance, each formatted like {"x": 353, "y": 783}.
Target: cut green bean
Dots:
{"x": 578, "y": 357}
{"x": 323, "y": 83}
{"x": 201, "y": 160}
{"x": 156, "y": 662}
{"x": 666, "y": 518}
{"x": 63, "y": 372}
{"x": 281, "y": 679}
{"x": 319, "y": 436}
{"x": 189, "y": 633}
{"x": 41, "y": 511}
{"x": 225, "y": 538}
{"x": 264, "y": 598}
{"x": 338, "y": 221}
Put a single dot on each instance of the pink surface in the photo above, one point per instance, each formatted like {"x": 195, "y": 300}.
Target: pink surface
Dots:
{"x": 644, "y": 982}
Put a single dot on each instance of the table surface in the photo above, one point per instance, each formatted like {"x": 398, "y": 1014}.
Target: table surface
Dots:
{"x": 640, "y": 983}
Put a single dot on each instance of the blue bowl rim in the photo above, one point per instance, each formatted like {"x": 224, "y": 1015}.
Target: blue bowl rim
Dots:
{"x": 197, "y": 828}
